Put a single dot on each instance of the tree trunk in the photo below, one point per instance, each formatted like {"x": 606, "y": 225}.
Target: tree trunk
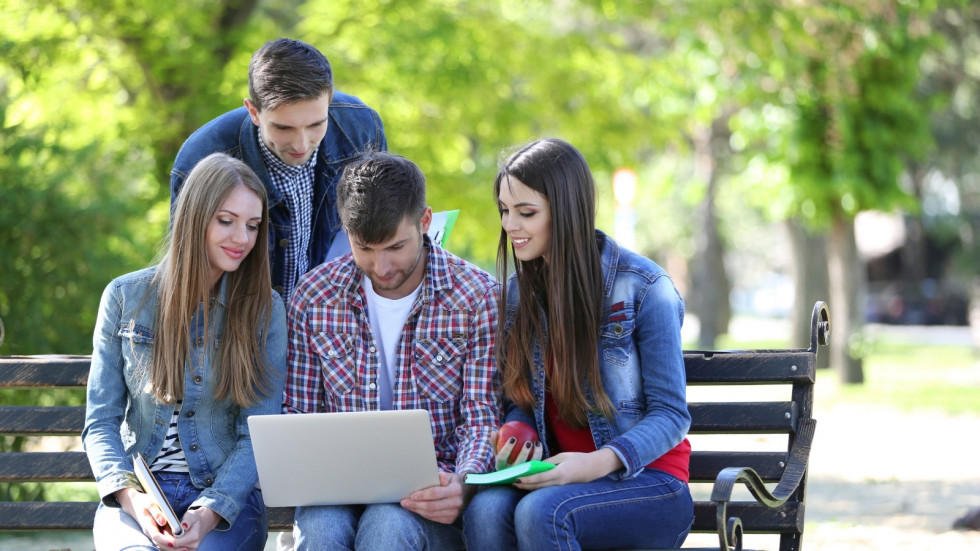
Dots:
{"x": 846, "y": 301}
{"x": 710, "y": 287}
{"x": 811, "y": 283}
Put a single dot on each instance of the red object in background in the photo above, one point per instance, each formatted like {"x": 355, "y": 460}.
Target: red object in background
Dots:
{"x": 519, "y": 430}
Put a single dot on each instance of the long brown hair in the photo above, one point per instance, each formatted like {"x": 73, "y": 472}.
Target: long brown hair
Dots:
{"x": 183, "y": 286}
{"x": 567, "y": 288}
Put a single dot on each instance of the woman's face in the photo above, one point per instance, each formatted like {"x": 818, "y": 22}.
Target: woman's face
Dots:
{"x": 525, "y": 215}
{"x": 232, "y": 232}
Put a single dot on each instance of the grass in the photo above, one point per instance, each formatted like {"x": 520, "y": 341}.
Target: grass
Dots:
{"x": 906, "y": 373}
{"x": 912, "y": 377}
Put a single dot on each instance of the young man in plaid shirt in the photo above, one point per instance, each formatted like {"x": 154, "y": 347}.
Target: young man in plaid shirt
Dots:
{"x": 399, "y": 323}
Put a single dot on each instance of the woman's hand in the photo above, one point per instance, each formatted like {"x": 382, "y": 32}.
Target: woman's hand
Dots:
{"x": 572, "y": 468}
{"x": 530, "y": 452}
{"x": 197, "y": 523}
{"x": 148, "y": 515}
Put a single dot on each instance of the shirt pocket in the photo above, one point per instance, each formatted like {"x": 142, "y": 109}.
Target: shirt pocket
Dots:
{"x": 137, "y": 351}
{"x": 616, "y": 335}
{"x": 438, "y": 368}
{"x": 337, "y": 361}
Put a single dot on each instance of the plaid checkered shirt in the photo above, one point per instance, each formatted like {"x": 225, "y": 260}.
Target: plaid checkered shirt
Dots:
{"x": 445, "y": 357}
{"x": 295, "y": 184}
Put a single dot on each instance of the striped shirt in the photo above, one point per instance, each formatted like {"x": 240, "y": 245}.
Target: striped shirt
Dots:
{"x": 171, "y": 457}
{"x": 295, "y": 184}
{"x": 445, "y": 357}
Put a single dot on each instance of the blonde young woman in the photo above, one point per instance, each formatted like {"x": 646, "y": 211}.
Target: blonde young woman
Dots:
{"x": 183, "y": 353}
{"x": 589, "y": 350}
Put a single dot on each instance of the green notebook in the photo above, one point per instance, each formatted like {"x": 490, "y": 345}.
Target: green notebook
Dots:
{"x": 510, "y": 474}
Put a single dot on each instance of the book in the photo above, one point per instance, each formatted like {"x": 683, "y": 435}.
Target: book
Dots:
{"x": 510, "y": 474}
{"x": 152, "y": 488}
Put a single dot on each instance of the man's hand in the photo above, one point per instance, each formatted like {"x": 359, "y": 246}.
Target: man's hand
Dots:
{"x": 441, "y": 503}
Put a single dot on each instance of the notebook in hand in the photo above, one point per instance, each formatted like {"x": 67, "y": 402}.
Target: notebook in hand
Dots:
{"x": 152, "y": 488}
{"x": 343, "y": 458}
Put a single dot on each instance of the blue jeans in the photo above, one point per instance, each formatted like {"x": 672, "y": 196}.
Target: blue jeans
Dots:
{"x": 379, "y": 527}
{"x": 652, "y": 509}
{"x": 115, "y": 530}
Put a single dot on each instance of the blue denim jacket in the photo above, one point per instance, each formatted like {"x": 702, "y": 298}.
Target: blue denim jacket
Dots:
{"x": 641, "y": 362}
{"x": 122, "y": 418}
{"x": 352, "y": 128}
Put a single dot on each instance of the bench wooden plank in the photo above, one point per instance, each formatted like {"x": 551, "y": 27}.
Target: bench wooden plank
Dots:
{"x": 743, "y": 417}
{"x": 46, "y": 516}
{"x": 705, "y": 465}
{"x": 42, "y": 420}
{"x": 787, "y": 518}
{"x": 750, "y": 367}
{"x": 74, "y": 466}
{"x": 707, "y": 418}
{"x": 45, "y": 467}
{"x": 43, "y": 371}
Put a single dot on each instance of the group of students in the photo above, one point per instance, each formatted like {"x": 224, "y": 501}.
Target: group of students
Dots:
{"x": 581, "y": 341}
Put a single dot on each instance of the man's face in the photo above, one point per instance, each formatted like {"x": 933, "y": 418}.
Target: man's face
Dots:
{"x": 292, "y": 131}
{"x": 397, "y": 266}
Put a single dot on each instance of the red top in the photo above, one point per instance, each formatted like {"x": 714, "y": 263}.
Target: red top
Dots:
{"x": 570, "y": 439}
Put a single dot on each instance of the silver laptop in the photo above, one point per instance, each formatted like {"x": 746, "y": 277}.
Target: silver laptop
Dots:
{"x": 343, "y": 458}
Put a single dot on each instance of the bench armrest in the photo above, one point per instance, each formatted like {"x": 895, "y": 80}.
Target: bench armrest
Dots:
{"x": 730, "y": 529}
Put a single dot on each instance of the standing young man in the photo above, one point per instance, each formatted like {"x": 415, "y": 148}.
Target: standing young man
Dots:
{"x": 297, "y": 133}
{"x": 398, "y": 324}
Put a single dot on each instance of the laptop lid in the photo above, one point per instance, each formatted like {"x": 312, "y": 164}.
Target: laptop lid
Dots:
{"x": 343, "y": 458}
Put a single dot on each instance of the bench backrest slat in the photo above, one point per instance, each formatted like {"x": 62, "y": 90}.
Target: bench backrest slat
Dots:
{"x": 43, "y": 371}
{"x": 750, "y": 367}
{"x": 42, "y": 420}
{"x": 45, "y": 467}
{"x": 743, "y": 417}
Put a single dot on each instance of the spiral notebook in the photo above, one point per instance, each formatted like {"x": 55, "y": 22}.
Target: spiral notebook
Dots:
{"x": 343, "y": 458}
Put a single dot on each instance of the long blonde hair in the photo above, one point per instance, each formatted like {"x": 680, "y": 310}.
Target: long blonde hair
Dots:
{"x": 183, "y": 287}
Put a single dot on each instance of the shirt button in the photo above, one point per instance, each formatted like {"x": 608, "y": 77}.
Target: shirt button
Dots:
{"x": 193, "y": 447}
{"x": 439, "y": 358}
{"x": 331, "y": 353}
{"x": 618, "y": 329}
{"x": 283, "y": 242}
{"x": 372, "y": 386}
{"x": 209, "y": 481}
{"x": 373, "y": 349}
{"x": 190, "y": 413}
{"x": 198, "y": 379}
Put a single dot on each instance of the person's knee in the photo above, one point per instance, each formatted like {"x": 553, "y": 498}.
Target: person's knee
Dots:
{"x": 317, "y": 528}
{"x": 387, "y": 527}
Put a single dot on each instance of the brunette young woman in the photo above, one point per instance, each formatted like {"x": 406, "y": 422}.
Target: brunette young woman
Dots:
{"x": 589, "y": 350}
{"x": 183, "y": 353}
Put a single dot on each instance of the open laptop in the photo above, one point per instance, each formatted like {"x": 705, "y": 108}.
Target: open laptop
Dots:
{"x": 343, "y": 458}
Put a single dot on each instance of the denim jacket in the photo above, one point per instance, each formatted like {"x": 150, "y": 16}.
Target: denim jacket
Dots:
{"x": 122, "y": 419}
{"x": 640, "y": 358}
{"x": 352, "y": 128}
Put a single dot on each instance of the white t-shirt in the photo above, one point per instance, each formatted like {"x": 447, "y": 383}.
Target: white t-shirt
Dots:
{"x": 387, "y": 318}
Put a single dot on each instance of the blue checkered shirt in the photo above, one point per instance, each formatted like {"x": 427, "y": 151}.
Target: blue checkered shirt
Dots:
{"x": 295, "y": 184}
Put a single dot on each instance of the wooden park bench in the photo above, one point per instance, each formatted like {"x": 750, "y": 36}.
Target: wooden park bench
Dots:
{"x": 779, "y": 510}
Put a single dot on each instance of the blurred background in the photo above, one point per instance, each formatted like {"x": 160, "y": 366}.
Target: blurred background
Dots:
{"x": 766, "y": 153}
